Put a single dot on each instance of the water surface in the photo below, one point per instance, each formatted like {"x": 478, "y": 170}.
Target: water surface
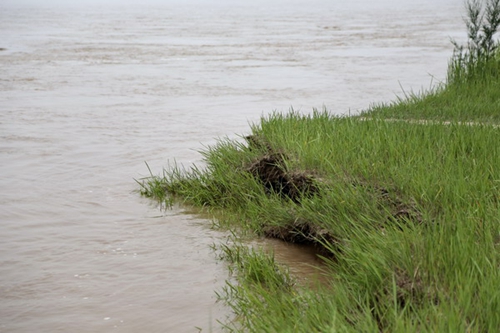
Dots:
{"x": 89, "y": 93}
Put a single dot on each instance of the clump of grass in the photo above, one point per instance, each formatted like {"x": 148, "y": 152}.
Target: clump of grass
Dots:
{"x": 154, "y": 187}
{"x": 265, "y": 297}
{"x": 470, "y": 93}
{"x": 480, "y": 55}
{"x": 256, "y": 267}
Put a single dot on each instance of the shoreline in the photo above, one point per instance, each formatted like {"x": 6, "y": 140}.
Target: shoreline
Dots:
{"x": 405, "y": 215}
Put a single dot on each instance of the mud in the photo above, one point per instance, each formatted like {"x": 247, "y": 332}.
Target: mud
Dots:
{"x": 305, "y": 233}
{"x": 272, "y": 171}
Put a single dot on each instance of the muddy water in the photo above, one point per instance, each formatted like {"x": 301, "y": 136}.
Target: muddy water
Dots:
{"x": 87, "y": 94}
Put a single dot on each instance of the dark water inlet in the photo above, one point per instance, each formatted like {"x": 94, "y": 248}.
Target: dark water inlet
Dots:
{"x": 89, "y": 92}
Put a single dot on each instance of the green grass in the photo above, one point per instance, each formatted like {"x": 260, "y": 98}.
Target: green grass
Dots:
{"x": 407, "y": 213}
{"x": 470, "y": 93}
{"x": 467, "y": 97}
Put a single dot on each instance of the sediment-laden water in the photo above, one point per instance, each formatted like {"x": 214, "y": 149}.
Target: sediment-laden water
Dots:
{"x": 88, "y": 93}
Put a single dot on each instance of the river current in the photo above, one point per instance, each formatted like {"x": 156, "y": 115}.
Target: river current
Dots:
{"x": 89, "y": 93}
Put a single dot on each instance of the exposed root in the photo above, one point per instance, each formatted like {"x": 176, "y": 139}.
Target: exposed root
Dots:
{"x": 304, "y": 233}
{"x": 272, "y": 172}
{"x": 270, "y": 169}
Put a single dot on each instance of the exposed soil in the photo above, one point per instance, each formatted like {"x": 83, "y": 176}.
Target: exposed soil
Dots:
{"x": 270, "y": 168}
{"x": 324, "y": 242}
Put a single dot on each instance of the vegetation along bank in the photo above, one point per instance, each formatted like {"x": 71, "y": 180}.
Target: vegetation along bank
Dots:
{"x": 402, "y": 202}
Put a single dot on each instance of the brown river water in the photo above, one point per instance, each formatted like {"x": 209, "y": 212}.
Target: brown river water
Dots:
{"x": 88, "y": 93}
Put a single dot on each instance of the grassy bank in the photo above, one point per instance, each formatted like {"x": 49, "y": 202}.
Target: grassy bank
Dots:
{"x": 470, "y": 93}
{"x": 467, "y": 97}
{"x": 407, "y": 214}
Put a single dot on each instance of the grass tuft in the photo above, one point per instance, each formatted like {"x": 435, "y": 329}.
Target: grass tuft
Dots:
{"x": 470, "y": 93}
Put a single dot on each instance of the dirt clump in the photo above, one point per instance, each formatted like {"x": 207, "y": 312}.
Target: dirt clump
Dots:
{"x": 270, "y": 169}
{"x": 303, "y": 232}
{"x": 404, "y": 210}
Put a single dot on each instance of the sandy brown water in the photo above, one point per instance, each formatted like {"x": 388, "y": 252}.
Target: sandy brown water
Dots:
{"x": 89, "y": 93}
